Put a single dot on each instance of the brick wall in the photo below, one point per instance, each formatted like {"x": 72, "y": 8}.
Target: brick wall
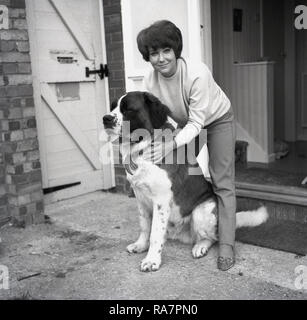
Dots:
{"x": 4, "y": 215}
{"x": 115, "y": 51}
{"x": 19, "y": 163}
{"x": 115, "y": 57}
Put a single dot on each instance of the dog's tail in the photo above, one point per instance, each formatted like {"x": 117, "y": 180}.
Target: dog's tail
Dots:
{"x": 252, "y": 218}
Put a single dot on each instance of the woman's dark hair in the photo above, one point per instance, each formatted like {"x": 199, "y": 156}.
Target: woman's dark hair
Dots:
{"x": 161, "y": 34}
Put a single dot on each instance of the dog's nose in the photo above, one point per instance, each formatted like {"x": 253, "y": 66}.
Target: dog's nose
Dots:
{"x": 108, "y": 119}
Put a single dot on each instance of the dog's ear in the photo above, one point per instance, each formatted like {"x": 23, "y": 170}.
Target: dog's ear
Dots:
{"x": 114, "y": 104}
{"x": 157, "y": 110}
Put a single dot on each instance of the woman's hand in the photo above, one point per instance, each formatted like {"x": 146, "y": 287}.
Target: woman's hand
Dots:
{"x": 159, "y": 150}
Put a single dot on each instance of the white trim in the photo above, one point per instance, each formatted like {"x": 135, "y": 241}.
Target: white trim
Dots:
{"x": 104, "y": 52}
{"x": 206, "y": 31}
{"x": 132, "y": 75}
{"x": 107, "y": 169}
{"x": 194, "y": 32}
{"x": 30, "y": 13}
{"x": 126, "y": 21}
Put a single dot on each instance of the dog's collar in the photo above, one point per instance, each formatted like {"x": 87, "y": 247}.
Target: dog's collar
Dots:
{"x": 131, "y": 167}
{"x": 127, "y": 168}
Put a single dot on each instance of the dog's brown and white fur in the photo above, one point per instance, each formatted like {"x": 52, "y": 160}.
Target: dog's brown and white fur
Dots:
{"x": 172, "y": 203}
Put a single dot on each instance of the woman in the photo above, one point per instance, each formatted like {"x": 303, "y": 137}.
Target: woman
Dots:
{"x": 196, "y": 103}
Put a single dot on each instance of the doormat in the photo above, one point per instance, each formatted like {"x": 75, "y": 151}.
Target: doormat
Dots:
{"x": 269, "y": 177}
{"x": 288, "y": 236}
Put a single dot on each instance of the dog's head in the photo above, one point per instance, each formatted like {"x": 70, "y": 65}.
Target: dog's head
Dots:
{"x": 141, "y": 110}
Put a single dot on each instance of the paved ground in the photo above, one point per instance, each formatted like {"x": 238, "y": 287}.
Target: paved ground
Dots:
{"x": 81, "y": 255}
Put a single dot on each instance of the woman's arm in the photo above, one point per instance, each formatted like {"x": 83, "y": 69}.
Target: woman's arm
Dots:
{"x": 198, "y": 103}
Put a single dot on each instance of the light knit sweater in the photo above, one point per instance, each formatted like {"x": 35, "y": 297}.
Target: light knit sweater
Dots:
{"x": 192, "y": 95}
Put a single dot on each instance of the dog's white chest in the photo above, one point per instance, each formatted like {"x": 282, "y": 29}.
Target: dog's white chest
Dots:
{"x": 150, "y": 180}
{"x": 152, "y": 185}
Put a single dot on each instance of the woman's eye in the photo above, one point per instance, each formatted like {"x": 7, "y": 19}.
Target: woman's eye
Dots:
{"x": 167, "y": 50}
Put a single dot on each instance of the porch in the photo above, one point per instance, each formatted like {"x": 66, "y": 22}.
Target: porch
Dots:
{"x": 259, "y": 64}
{"x": 278, "y": 184}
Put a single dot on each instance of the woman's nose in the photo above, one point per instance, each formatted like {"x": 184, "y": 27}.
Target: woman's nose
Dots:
{"x": 161, "y": 56}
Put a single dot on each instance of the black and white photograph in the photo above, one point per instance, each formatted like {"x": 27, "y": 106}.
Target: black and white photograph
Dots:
{"x": 153, "y": 153}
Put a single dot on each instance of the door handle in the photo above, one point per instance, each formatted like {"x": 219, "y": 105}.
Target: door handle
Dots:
{"x": 102, "y": 72}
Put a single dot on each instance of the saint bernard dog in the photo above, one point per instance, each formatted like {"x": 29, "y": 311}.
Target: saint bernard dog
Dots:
{"x": 172, "y": 203}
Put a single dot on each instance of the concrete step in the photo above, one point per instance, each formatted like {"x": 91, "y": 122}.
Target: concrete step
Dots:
{"x": 282, "y": 194}
{"x": 282, "y": 202}
{"x": 280, "y": 190}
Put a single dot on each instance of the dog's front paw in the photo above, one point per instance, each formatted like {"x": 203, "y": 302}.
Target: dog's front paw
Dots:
{"x": 199, "y": 250}
{"x": 137, "y": 247}
{"x": 151, "y": 264}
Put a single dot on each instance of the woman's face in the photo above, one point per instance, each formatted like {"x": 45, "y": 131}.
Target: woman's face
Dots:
{"x": 163, "y": 60}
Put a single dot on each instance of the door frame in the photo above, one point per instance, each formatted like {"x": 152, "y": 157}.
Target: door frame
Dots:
{"x": 108, "y": 173}
{"x": 290, "y": 74}
{"x": 206, "y": 32}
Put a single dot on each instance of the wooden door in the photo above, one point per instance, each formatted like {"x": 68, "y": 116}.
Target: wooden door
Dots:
{"x": 301, "y": 77}
{"x": 66, "y": 37}
{"x": 274, "y": 50}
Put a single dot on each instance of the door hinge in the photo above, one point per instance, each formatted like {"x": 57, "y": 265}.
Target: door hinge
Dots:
{"x": 102, "y": 72}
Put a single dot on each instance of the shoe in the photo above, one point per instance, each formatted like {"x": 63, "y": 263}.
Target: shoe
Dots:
{"x": 281, "y": 149}
{"x": 224, "y": 263}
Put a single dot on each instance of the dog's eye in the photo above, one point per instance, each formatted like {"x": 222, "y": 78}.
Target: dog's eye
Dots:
{"x": 126, "y": 112}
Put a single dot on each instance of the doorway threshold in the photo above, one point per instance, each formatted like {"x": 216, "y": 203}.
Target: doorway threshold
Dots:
{"x": 271, "y": 185}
